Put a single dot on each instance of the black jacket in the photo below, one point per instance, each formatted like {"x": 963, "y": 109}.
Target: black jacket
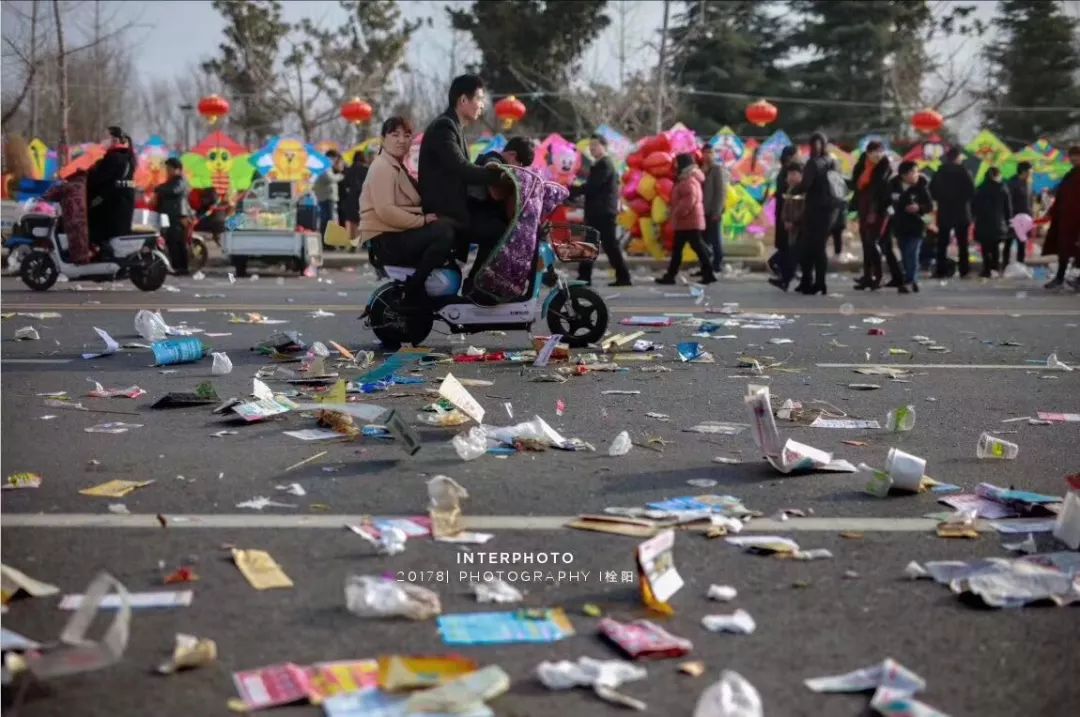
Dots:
{"x": 172, "y": 198}
{"x": 601, "y": 190}
{"x": 815, "y": 180}
{"x": 1020, "y": 196}
{"x": 877, "y": 194}
{"x": 446, "y": 172}
{"x": 953, "y": 189}
{"x": 110, "y": 194}
{"x": 992, "y": 211}
{"x": 349, "y": 191}
{"x": 903, "y": 224}
{"x": 781, "y": 235}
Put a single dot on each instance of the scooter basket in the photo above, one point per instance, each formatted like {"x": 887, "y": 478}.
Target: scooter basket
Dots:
{"x": 573, "y": 242}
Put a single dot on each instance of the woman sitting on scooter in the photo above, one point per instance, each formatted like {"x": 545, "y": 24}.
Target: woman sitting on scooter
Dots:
{"x": 110, "y": 191}
{"x": 392, "y": 219}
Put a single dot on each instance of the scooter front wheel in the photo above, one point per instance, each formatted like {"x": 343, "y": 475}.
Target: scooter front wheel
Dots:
{"x": 579, "y": 314}
{"x": 38, "y": 271}
{"x": 394, "y": 326}
{"x": 149, "y": 274}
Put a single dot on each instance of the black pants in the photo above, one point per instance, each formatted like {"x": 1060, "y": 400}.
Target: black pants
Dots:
{"x": 715, "y": 242}
{"x": 869, "y": 236}
{"x": 837, "y": 231}
{"x": 990, "y": 243}
{"x": 817, "y": 225}
{"x": 487, "y": 225}
{"x": 888, "y": 250}
{"x": 693, "y": 238}
{"x": 944, "y": 230}
{"x": 176, "y": 242}
{"x": 1021, "y": 247}
{"x": 785, "y": 254}
{"x": 605, "y": 224}
{"x": 426, "y": 248}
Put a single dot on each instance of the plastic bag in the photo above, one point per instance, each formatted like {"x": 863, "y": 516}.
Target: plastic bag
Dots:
{"x": 731, "y": 696}
{"x": 471, "y": 444}
{"x": 371, "y": 596}
{"x": 1016, "y": 270}
{"x": 150, "y": 325}
{"x": 222, "y": 364}
{"x": 621, "y": 445}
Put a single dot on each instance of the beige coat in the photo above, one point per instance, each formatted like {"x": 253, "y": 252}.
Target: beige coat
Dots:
{"x": 389, "y": 201}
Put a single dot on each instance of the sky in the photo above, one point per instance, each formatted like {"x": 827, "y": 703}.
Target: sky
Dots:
{"x": 174, "y": 35}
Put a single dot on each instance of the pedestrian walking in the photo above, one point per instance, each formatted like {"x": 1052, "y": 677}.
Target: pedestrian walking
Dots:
{"x": 1063, "y": 237}
{"x": 170, "y": 199}
{"x": 823, "y": 195}
{"x": 349, "y": 194}
{"x": 953, "y": 189}
{"x": 601, "y": 192}
{"x": 870, "y": 182}
{"x": 1020, "y": 200}
{"x": 910, "y": 200}
{"x": 688, "y": 216}
{"x": 783, "y": 261}
{"x": 715, "y": 199}
{"x": 326, "y": 192}
{"x": 992, "y": 211}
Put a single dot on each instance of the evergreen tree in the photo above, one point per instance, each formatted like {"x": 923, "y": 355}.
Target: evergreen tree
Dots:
{"x": 725, "y": 47}
{"x": 1035, "y": 61}
{"x": 533, "y": 46}
{"x": 851, "y": 45}
{"x": 247, "y": 63}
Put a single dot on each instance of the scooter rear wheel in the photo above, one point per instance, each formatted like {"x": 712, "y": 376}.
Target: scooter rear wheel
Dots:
{"x": 149, "y": 274}
{"x": 579, "y": 314}
{"x": 392, "y": 325}
{"x": 38, "y": 271}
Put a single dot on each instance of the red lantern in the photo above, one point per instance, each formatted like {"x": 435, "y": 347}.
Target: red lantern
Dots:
{"x": 761, "y": 113}
{"x": 927, "y": 121}
{"x": 509, "y": 110}
{"x": 213, "y": 108}
{"x": 356, "y": 111}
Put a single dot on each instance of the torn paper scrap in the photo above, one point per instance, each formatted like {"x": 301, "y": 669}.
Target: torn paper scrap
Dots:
{"x": 261, "y": 570}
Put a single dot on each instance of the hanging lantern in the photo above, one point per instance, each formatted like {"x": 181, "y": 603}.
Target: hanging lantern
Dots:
{"x": 357, "y": 111}
{"x": 927, "y": 121}
{"x": 213, "y": 108}
{"x": 509, "y": 110}
{"x": 761, "y": 113}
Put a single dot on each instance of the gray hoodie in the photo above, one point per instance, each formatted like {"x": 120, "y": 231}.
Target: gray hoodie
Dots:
{"x": 715, "y": 192}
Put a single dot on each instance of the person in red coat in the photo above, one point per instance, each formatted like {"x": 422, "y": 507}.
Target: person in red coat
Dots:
{"x": 1063, "y": 238}
{"x": 688, "y": 217}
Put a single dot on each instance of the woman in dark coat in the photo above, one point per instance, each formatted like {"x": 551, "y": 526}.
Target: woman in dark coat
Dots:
{"x": 110, "y": 190}
{"x": 819, "y": 217}
{"x": 1063, "y": 238}
{"x": 783, "y": 262}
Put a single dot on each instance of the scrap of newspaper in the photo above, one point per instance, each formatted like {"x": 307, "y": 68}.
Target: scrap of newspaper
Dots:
{"x": 790, "y": 455}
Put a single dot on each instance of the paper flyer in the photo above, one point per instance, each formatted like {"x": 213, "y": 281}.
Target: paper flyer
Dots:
{"x": 658, "y": 578}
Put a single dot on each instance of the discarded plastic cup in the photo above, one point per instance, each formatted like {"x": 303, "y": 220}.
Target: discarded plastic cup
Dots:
{"x": 621, "y": 445}
{"x": 174, "y": 351}
{"x": 900, "y": 419}
{"x": 878, "y": 482}
{"x": 993, "y": 447}
{"x": 847, "y": 309}
{"x": 905, "y": 469}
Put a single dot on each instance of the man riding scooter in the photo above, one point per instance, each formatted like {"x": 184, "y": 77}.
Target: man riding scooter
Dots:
{"x": 110, "y": 192}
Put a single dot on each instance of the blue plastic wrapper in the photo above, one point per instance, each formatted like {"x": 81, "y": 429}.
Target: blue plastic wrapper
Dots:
{"x": 689, "y": 350}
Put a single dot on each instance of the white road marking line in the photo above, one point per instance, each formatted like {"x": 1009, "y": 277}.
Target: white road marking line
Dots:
{"x": 20, "y": 360}
{"x": 477, "y": 522}
{"x": 1026, "y": 367}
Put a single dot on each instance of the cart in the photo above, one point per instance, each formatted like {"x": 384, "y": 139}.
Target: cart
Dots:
{"x": 264, "y": 229}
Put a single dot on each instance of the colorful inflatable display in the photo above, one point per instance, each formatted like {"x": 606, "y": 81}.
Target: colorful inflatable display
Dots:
{"x": 288, "y": 159}
{"x": 220, "y": 162}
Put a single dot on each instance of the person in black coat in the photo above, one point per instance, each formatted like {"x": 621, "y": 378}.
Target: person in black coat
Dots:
{"x": 601, "y": 192}
{"x": 1020, "y": 199}
{"x": 170, "y": 198}
{"x": 909, "y": 197}
{"x": 446, "y": 172}
{"x": 349, "y": 194}
{"x": 819, "y": 217}
{"x": 953, "y": 189}
{"x": 783, "y": 261}
{"x": 110, "y": 191}
{"x": 992, "y": 209}
{"x": 870, "y": 182}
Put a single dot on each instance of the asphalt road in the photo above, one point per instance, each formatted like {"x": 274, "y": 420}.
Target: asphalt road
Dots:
{"x": 812, "y": 618}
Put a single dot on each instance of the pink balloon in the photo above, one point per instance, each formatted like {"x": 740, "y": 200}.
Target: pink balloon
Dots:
{"x": 1022, "y": 224}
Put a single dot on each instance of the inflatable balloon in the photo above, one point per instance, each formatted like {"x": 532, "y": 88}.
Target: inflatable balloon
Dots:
{"x": 627, "y": 219}
{"x": 659, "y": 210}
{"x": 635, "y": 160}
{"x": 640, "y": 207}
{"x": 648, "y": 235}
{"x": 635, "y": 231}
{"x": 631, "y": 183}
{"x": 668, "y": 234}
{"x": 1022, "y": 224}
{"x": 647, "y": 187}
{"x": 664, "y": 187}
{"x": 658, "y": 163}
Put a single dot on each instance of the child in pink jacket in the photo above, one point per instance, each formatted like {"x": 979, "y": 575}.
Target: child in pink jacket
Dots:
{"x": 688, "y": 216}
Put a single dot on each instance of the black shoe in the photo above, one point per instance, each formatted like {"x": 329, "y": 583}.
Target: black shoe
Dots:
{"x": 710, "y": 279}
{"x": 820, "y": 289}
{"x": 696, "y": 273}
{"x": 903, "y": 289}
{"x": 861, "y": 284}
{"x": 1054, "y": 284}
{"x": 804, "y": 288}
{"x": 666, "y": 280}
{"x": 620, "y": 282}
{"x": 893, "y": 284}
{"x": 778, "y": 283}
{"x": 915, "y": 286}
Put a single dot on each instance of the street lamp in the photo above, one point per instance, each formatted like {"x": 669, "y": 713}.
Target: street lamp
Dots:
{"x": 187, "y": 110}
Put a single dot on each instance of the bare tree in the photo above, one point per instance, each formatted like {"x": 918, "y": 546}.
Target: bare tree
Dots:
{"x": 26, "y": 55}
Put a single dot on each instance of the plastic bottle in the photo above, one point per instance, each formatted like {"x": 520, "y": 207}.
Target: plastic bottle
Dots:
{"x": 174, "y": 351}
{"x": 621, "y": 445}
{"x": 900, "y": 419}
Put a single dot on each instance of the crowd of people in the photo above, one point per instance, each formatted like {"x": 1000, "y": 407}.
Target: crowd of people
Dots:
{"x": 892, "y": 211}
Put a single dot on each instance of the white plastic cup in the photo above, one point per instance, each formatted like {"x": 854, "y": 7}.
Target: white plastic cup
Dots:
{"x": 905, "y": 469}
{"x": 993, "y": 447}
{"x": 877, "y": 483}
